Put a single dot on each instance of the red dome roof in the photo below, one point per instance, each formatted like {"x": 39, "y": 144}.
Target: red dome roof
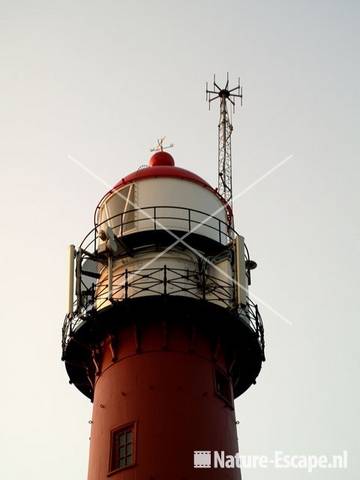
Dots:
{"x": 161, "y": 159}
{"x": 162, "y": 164}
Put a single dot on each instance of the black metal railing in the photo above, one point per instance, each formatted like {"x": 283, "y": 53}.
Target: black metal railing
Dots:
{"x": 94, "y": 294}
{"x": 151, "y": 218}
{"x": 224, "y": 233}
{"x": 159, "y": 281}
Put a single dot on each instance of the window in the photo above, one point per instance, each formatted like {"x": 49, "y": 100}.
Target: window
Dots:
{"x": 122, "y": 448}
{"x": 223, "y": 387}
{"x": 118, "y": 210}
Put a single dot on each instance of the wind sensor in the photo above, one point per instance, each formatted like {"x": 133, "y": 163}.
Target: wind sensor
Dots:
{"x": 160, "y": 147}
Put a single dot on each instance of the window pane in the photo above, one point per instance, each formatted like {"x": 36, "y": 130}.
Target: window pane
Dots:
{"x": 122, "y": 448}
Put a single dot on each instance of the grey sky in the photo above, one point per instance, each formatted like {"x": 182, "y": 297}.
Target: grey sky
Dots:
{"x": 102, "y": 81}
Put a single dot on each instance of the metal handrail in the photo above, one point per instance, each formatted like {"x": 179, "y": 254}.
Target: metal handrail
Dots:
{"x": 156, "y": 281}
{"x": 131, "y": 284}
{"x": 147, "y": 280}
{"x": 223, "y": 229}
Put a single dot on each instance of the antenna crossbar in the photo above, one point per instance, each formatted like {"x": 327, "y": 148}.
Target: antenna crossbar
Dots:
{"x": 160, "y": 147}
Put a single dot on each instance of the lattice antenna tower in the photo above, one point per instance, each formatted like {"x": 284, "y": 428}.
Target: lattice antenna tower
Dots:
{"x": 226, "y": 95}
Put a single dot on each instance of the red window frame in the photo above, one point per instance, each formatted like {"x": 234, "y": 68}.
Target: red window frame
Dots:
{"x": 122, "y": 447}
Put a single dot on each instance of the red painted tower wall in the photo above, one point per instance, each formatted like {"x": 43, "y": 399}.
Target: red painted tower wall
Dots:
{"x": 161, "y": 377}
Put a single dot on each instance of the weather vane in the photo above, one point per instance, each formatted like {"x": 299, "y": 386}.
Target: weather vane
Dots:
{"x": 160, "y": 145}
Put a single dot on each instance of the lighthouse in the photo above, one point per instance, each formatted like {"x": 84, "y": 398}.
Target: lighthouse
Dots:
{"x": 160, "y": 332}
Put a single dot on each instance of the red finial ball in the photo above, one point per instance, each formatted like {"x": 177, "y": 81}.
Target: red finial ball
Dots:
{"x": 160, "y": 159}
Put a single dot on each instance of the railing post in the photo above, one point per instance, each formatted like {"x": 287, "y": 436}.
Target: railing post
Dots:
{"x": 155, "y": 220}
{"x": 203, "y": 285}
{"x": 165, "y": 280}
{"x": 219, "y": 231}
{"x": 189, "y": 219}
{"x": 92, "y": 293}
{"x": 126, "y": 283}
{"x": 110, "y": 277}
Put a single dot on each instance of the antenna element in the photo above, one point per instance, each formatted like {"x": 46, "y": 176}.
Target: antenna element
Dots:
{"x": 225, "y": 128}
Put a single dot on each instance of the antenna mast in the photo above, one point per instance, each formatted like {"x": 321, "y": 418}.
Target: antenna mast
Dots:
{"x": 225, "y": 129}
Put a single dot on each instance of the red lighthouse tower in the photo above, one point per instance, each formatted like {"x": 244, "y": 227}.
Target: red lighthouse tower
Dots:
{"x": 161, "y": 334}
